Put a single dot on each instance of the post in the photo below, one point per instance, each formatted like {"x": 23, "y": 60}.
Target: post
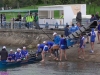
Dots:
{"x": 12, "y": 22}
{"x": 1, "y": 20}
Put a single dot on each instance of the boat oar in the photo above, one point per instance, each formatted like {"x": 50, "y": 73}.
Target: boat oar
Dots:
{"x": 38, "y": 27}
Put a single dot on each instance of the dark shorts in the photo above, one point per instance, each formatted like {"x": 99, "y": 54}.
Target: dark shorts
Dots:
{"x": 81, "y": 46}
{"x": 63, "y": 47}
{"x": 92, "y": 41}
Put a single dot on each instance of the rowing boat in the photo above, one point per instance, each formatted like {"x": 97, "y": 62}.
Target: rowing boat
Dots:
{"x": 31, "y": 60}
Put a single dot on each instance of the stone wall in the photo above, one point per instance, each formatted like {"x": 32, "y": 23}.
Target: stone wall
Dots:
{"x": 28, "y": 38}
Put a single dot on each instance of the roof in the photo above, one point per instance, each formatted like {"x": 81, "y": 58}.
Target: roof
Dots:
{"x": 50, "y": 6}
{"x": 19, "y": 10}
{"x": 55, "y": 7}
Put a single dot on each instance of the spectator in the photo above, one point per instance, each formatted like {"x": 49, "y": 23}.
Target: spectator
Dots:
{"x": 19, "y": 19}
{"x": 67, "y": 30}
{"x": 92, "y": 18}
{"x": 29, "y": 20}
{"x": 4, "y": 20}
{"x": 19, "y": 16}
{"x": 98, "y": 33}
{"x": 79, "y": 17}
{"x": 73, "y": 28}
{"x": 36, "y": 21}
{"x": 97, "y": 16}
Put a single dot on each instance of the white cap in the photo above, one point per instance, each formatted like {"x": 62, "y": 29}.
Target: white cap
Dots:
{"x": 24, "y": 47}
{"x": 18, "y": 49}
{"x": 4, "y": 47}
{"x": 38, "y": 45}
{"x": 44, "y": 41}
{"x": 11, "y": 50}
{"x": 54, "y": 33}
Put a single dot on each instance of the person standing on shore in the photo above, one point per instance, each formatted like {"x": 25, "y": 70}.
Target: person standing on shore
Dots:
{"x": 45, "y": 49}
{"x": 4, "y": 54}
{"x": 92, "y": 39}
{"x": 98, "y": 33}
{"x": 56, "y": 45}
{"x": 81, "y": 52}
{"x": 63, "y": 43}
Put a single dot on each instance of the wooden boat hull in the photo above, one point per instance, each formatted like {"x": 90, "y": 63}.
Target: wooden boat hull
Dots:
{"x": 16, "y": 64}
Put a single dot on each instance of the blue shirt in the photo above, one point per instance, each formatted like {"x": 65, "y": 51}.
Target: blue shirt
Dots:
{"x": 99, "y": 27}
{"x": 92, "y": 19}
{"x": 41, "y": 46}
{"x": 18, "y": 55}
{"x": 46, "y": 48}
{"x": 77, "y": 28}
{"x": 24, "y": 52}
{"x": 73, "y": 29}
{"x": 63, "y": 41}
{"x": 93, "y": 36}
{"x": 56, "y": 40}
{"x": 67, "y": 32}
{"x": 50, "y": 43}
{"x": 12, "y": 56}
{"x": 82, "y": 40}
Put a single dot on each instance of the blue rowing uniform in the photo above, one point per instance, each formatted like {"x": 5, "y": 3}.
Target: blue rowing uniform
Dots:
{"x": 99, "y": 28}
{"x": 11, "y": 57}
{"x": 92, "y": 36}
{"x": 72, "y": 29}
{"x": 18, "y": 55}
{"x": 40, "y": 48}
{"x": 50, "y": 44}
{"x": 46, "y": 48}
{"x": 56, "y": 40}
{"x": 24, "y": 53}
{"x": 82, "y": 42}
{"x": 63, "y": 43}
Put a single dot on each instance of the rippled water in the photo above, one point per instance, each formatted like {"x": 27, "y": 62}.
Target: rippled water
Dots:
{"x": 54, "y": 68}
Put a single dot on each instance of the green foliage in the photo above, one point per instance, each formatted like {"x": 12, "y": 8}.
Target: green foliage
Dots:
{"x": 23, "y": 3}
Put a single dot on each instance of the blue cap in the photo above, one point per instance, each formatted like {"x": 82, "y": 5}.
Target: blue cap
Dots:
{"x": 98, "y": 20}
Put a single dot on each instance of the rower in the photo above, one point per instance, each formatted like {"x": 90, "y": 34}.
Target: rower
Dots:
{"x": 45, "y": 49}
{"x": 18, "y": 55}
{"x": 11, "y": 56}
{"x": 4, "y": 54}
{"x": 39, "y": 50}
{"x": 50, "y": 45}
{"x": 24, "y": 53}
{"x": 56, "y": 45}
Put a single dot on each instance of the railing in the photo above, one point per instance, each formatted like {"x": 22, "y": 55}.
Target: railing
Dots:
{"x": 22, "y": 25}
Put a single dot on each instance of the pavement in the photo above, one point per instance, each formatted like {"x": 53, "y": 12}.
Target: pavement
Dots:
{"x": 72, "y": 53}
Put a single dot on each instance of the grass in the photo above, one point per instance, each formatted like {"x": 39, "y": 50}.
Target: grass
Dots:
{"x": 90, "y": 10}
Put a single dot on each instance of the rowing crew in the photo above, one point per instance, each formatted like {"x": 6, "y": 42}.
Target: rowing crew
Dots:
{"x": 19, "y": 55}
{"x": 59, "y": 43}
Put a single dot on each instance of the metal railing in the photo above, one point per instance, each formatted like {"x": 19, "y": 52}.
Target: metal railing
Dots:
{"x": 22, "y": 25}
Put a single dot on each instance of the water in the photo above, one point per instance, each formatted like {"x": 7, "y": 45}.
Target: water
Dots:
{"x": 53, "y": 68}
